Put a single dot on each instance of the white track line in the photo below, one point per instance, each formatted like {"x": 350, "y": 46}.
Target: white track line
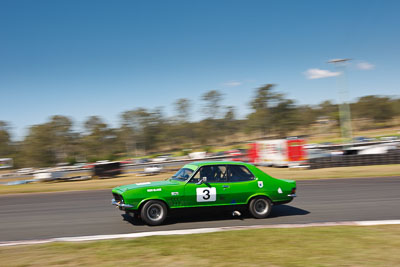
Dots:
{"x": 194, "y": 231}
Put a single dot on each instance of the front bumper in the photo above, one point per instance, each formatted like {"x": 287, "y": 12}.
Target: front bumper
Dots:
{"x": 121, "y": 205}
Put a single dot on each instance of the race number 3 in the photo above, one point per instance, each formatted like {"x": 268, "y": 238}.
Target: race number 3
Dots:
{"x": 205, "y": 194}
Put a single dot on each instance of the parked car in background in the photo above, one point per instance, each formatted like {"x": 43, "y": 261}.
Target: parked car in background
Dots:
{"x": 153, "y": 169}
{"x": 161, "y": 158}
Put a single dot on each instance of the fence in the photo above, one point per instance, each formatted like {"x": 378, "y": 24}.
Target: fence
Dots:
{"x": 392, "y": 157}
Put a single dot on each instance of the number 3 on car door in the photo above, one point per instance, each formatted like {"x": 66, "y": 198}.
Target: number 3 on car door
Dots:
{"x": 206, "y": 194}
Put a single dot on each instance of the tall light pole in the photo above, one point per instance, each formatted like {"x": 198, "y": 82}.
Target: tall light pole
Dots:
{"x": 344, "y": 107}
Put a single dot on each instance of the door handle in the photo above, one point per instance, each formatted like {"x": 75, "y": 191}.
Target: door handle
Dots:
{"x": 225, "y": 186}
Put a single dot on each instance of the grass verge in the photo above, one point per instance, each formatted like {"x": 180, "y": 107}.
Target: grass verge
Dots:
{"x": 283, "y": 173}
{"x": 315, "y": 246}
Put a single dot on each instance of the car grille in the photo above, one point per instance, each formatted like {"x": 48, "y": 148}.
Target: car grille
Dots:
{"x": 118, "y": 198}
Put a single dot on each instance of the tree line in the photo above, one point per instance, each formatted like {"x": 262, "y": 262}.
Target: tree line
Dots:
{"x": 142, "y": 131}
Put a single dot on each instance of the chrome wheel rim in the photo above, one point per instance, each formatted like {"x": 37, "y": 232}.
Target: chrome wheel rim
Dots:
{"x": 261, "y": 206}
{"x": 155, "y": 212}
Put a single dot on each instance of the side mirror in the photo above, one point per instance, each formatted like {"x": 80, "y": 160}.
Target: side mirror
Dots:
{"x": 202, "y": 180}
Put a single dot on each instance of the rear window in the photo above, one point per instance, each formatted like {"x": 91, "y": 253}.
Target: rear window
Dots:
{"x": 237, "y": 173}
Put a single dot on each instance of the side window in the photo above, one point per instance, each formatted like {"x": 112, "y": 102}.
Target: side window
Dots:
{"x": 214, "y": 174}
{"x": 196, "y": 177}
{"x": 237, "y": 173}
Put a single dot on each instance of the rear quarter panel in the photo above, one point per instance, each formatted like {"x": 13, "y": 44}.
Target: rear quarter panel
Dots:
{"x": 275, "y": 189}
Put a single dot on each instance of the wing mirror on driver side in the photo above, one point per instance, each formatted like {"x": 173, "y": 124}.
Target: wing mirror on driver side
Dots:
{"x": 202, "y": 180}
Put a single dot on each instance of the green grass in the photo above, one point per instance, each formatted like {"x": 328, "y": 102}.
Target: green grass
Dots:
{"x": 315, "y": 246}
{"x": 283, "y": 173}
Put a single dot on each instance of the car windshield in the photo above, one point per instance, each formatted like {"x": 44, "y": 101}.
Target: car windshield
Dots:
{"x": 183, "y": 174}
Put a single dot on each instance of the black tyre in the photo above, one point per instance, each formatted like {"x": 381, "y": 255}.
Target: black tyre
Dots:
{"x": 154, "y": 212}
{"x": 260, "y": 207}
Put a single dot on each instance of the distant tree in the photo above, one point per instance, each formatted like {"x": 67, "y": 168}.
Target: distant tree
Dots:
{"x": 182, "y": 107}
{"x": 37, "y": 149}
{"x": 212, "y": 104}
{"x": 156, "y": 135}
{"x": 61, "y": 137}
{"x": 260, "y": 118}
{"x": 230, "y": 114}
{"x": 229, "y": 121}
{"x": 6, "y": 149}
{"x": 209, "y": 129}
{"x": 328, "y": 110}
{"x": 307, "y": 115}
{"x": 376, "y": 108}
{"x": 99, "y": 140}
{"x": 284, "y": 117}
{"x": 130, "y": 131}
{"x": 146, "y": 127}
{"x": 396, "y": 106}
{"x": 263, "y": 97}
{"x": 205, "y": 131}
{"x": 327, "y": 107}
{"x": 180, "y": 132}
{"x": 94, "y": 124}
{"x": 49, "y": 143}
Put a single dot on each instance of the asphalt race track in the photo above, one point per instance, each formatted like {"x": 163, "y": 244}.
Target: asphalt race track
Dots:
{"x": 66, "y": 214}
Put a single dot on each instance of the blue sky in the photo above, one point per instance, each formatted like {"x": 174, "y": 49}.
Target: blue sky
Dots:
{"x": 83, "y": 58}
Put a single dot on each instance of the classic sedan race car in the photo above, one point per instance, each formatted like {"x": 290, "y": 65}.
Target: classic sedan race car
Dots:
{"x": 205, "y": 184}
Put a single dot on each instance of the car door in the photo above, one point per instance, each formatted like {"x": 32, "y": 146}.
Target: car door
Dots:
{"x": 242, "y": 184}
{"x": 214, "y": 192}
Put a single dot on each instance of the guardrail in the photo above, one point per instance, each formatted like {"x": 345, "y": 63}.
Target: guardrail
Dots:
{"x": 340, "y": 146}
{"x": 179, "y": 161}
{"x": 392, "y": 157}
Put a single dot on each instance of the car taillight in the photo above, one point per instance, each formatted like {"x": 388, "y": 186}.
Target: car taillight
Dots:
{"x": 293, "y": 190}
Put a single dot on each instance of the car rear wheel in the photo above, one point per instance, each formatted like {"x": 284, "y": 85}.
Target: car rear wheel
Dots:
{"x": 260, "y": 207}
{"x": 154, "y": 212}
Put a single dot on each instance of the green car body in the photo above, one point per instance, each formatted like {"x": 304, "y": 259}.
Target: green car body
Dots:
{"x": 227, "y": 184}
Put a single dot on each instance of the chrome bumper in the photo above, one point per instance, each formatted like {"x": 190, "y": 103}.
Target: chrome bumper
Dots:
{"x": 120, "y": 205}
{"x": 291, "y": 195}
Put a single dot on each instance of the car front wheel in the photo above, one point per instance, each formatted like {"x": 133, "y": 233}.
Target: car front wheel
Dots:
{"x": 154, "y": 212}
{"x": 260, "y": 207}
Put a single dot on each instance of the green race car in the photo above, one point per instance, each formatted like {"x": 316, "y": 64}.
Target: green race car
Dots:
{"x": 205, "y": 184}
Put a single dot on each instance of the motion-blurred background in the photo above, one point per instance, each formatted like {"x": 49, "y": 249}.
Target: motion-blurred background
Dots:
{"x": 141, "y": 83}
{"x": 96, "y": 94}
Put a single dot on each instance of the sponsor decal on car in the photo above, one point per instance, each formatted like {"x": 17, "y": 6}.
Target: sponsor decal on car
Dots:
{"x": 154, "y": 190}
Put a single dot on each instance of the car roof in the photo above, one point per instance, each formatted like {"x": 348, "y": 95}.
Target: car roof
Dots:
{"x": 204, "y": 163}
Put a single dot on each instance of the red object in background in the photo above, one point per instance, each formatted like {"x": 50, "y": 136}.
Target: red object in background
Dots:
{"x": 236, "y": 155}
{"x": 295, "y": 150}
{"x": 252, "y": 153}
{"x": 89, "y": 166}
{"x": 126, "y": 161}
{"x": 280, "y": 152}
